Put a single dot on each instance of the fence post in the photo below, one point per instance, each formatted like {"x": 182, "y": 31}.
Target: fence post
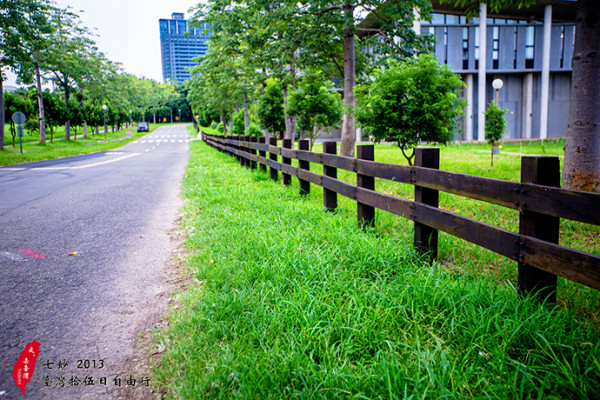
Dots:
{"x": 245, "y": 161}
{"x": 287, "y": 178}
{"x": 365, "y": 214}
{"x": 273, "y": 156}
{"x": 541, "y": 170}
{"x": 329, "y": 196}
{"x": 253, "y": 139}
{"x": 235, "y": 147}
{"x": 247, "y": 150}
{"x": 426, "y": 238}
{"x": 304, "y": 185}
{"x": 262, "y": 140}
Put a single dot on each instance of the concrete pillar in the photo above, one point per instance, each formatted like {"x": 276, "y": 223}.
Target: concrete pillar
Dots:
{"x": 526, "y": 121}
{"x": 468, "y": 133}
{"x": 481, "y": 90}
{"x": 545, "y": 73}
{"x": 417, "y": 21}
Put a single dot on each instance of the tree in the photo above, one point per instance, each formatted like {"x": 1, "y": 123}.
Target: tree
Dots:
{"x": 18, "y": 101}
{"x": 315, "y": 105}
{"x": 25, "y": 26}
{"x": 581, "y": 167}
{"x": 495, "y": 126}
{"x": 269, "y": 108}
{"x": 411, "y": 102}
{"x": 55, "y": 111}
{"x": 391, "y": 24}
{"x": 68, "y": 57}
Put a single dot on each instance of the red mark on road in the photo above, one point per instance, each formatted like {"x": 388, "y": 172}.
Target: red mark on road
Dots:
{"x": 33, "y": 254}
{"x": 23, "y": 369}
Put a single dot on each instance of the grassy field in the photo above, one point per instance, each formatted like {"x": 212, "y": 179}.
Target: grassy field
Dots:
{"x": 33, "y": 150}
{"x": 286, "y": 300}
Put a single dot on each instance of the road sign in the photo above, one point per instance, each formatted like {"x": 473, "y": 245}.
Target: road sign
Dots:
{"x": 19, "y": 118}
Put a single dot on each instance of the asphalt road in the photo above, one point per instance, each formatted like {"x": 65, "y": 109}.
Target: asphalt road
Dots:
{"x": 116, "y": 210}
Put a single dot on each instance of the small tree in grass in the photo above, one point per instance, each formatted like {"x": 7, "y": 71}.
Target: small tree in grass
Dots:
{"x": 314, "y": 105}
{"x": 495, "y": 126}
{"x": 412, "y": 102}
{"x": 269, "y": 108}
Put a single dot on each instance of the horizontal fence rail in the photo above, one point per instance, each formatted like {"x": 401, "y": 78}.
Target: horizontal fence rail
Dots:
{"x": 535, "y": 247}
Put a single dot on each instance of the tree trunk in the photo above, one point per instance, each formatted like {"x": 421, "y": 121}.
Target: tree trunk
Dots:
{"x": 581, "y": 169}
{"x": 313, "y": 136}
{"x": 84, "y": 127}
{"x": 2, "y": 112}
{"x": 246, "y": 118}
{"x": 231, "y": 119}
{"x": 290, "y": 122}
{"x": 348, "y": 130}
{"x": 40, "y": 96}
{"x": 68, "y": 123}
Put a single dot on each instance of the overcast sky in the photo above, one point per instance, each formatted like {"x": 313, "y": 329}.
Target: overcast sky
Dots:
{"x": 127, "y": 30}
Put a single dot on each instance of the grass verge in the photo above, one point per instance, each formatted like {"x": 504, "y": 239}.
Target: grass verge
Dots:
{"x": 290, "y": 301}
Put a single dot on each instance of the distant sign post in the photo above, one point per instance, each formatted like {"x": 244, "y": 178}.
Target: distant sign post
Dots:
{"x": 19, "y": 119}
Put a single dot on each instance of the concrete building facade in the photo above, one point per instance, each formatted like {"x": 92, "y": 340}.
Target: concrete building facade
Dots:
{"x": 180, "y": 44}
{"x": 530, "y": 50}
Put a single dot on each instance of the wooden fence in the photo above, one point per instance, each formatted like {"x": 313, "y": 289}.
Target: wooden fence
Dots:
{"x": 541, "y": 203}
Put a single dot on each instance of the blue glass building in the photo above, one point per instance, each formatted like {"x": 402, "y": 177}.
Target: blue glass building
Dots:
{"x": 180, "y": 44}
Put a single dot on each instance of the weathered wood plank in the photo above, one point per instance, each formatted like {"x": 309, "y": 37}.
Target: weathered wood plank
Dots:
{"x": 394, "y": 205}
{"x": 392, "y": 172}
{"x": 425, "y": 237}
{"x": 365, "y": 214}
{"x": 498, "y": 240}
{"x": 329, "y": 195}
{"x": 273, "y": 156}
{"x": 304, "y": 144}
{"x": 532, "y": 280}
{"x": 571, "y": 264}
{"x": 286, "y": 179}
{"x": 262, "y": 153}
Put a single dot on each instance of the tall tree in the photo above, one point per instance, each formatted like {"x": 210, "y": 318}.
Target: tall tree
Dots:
{"x": 25, "y": 26}
{"x": 315, "y": 104}
{"x": 581, "y": 167}
{"x": 390, "y": 22}
{"x": 67, "y": 62}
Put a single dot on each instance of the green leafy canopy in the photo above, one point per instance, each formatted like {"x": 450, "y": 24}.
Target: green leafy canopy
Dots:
{"x": 411, "y": 102}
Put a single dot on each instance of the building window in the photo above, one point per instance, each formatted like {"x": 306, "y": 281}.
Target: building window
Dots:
{"x": 437, "y": 19}
{"x": 562, "y": 46}
{"x": 451, "y": 19}
{"x": 495, "y": 46}
{"x": 529, "y": 46}
{"x": 465, "y": 47}
{"x": 477, "y": 47}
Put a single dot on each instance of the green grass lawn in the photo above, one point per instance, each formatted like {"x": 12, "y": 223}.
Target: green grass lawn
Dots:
{"x": 33, "y": 150}
{"x": 286, "y": 300}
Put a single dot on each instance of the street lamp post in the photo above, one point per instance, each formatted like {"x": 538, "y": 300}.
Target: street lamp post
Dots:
{"x": 105, "y": 127}
{"x": 497, "y": 84}
{"x": 180, "y": 115}
{"x": 130, "y": 118}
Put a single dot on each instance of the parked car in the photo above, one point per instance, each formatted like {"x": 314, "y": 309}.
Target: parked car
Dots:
{"x": 143, "y": 127}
